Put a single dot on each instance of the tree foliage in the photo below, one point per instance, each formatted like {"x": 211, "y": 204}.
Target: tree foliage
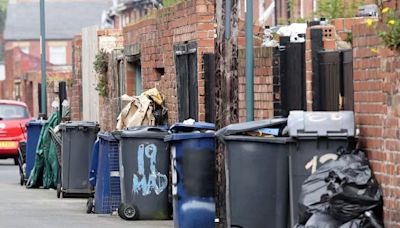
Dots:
{"x": 337, "y": 8}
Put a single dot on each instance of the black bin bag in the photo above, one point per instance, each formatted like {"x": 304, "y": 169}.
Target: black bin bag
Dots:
{"x": 344, "y": 190}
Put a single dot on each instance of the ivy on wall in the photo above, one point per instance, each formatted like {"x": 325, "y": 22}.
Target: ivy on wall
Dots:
{"x": 101, "y": 67}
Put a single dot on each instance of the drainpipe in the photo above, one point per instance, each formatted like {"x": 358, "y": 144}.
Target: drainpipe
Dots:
{"x": 43, "y": 58}
{"x": 249, "y": 62}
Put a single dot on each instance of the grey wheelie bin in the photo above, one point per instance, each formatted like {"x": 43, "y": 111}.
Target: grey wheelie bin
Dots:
{"x": 144, "y": 171}
{"x": 318, "y": 136}
{"x": 78, "y": 138}
{"x": 257, "y": 174}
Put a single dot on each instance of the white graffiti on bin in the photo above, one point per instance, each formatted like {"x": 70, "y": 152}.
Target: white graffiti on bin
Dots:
{"x": 156, "y": 181}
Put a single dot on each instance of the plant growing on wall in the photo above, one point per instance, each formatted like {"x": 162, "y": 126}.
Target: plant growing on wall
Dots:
{"x": 337, "y": 8}
{"x": 389, "y": 30}
{"x": 101, "y": 66}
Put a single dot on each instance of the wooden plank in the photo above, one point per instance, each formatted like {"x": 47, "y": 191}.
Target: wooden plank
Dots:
{"x": 226, "y": 95}
{"x": 209, "y": 83}
{"x": 329, "y": 80}
{"x": 90, "y": 97}
{"x": 316, "y": 46}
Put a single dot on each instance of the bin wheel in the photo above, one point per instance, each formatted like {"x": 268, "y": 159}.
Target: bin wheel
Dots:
{"x": 22, "y": 180}
{"x": 58, "y": 190}
{"x": 90, "y": 205}
{"x": 127, "y": 212}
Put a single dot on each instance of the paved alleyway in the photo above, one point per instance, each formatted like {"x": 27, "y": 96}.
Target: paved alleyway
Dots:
{"x": 21, "y": 208}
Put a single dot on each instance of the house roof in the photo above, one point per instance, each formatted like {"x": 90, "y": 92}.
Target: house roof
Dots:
{"x": 63, "y": 19}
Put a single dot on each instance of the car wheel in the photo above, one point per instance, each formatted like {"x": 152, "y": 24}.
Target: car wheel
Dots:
{"x": 127, "y": 212}
{"x": 16, "y": 162}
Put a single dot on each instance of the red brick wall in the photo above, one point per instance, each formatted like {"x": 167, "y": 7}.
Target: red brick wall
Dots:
{"x": 187, "y": 21}
{"x": 263, "y": 100}
{"x": 8, "y": 83}
{"x": 110, "y": 40}
{"x": 377, "y": 107}
{"x": 75, "y": 91}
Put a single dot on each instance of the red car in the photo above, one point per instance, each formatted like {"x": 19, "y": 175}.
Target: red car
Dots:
{"x": 13, "y": 118}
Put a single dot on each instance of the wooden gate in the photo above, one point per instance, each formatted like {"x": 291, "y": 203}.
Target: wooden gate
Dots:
{"x": 186, "y": 76}
{"x": 289, "y": 81}
{"x": 335, "y": 73}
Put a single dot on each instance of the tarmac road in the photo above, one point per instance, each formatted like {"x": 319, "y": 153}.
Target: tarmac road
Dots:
{"x": 40, "y": 208}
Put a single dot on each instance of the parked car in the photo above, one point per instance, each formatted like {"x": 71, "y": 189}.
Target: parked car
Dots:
{"x": 13, "y": 118}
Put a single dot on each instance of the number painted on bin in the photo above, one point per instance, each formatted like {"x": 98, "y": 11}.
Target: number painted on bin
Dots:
{"x": 156, "y": 182}
{"x": 313, "y": 163}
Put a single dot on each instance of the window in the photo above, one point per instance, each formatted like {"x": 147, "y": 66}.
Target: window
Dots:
{"x": 138, "y": 79}
{"x": 10, "y": 112}
{"x": 58, "y": 55}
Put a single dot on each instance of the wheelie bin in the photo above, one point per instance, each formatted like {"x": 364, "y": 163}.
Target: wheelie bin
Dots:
{"x": 318, "y": 136}
{"x": 257, "y": 173}
{"x": 34, "y": 128}
{"x": 193, "y": 174}
{"x": 107, "y": 188}
{"x": 144, "y": 172}
{"x": 78, "y": 138}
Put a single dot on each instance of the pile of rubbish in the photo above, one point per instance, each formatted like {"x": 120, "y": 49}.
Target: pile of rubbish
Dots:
{"x": 147, "y": 109}
{"x": 341, "y": 193}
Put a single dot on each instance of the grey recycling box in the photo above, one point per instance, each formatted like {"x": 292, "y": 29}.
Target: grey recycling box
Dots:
{"x": 318, "y": 136}
{"x": 77, "y": 142}
{"x": 144, "y": 170}
{"x": 257, "y": 175}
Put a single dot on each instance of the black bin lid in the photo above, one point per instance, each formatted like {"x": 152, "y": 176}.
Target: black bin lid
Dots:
{"x": 79, "y": 124}
{"x": 233, "y": 131}
{"x": 145, "y": 132}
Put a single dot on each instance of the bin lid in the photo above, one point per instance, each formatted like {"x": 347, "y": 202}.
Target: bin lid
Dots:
{"x": 35, "y": 123}
{"x": 75, "y": 124}
{"x": 107, "y": 136}
{"x": 188, "y": 135}
{"x": 181, "y": 127}
{"x": 145, "y": 132}
{"x": 321, "y": 124}
{"x": 235, "y": 129}
{"x": 244, "y": 138}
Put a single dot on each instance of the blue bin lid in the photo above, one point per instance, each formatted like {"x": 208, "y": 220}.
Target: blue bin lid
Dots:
{"x": 107, "y": 136}
{"x": 36, "y": 123}
{"x": 181, "y": 127}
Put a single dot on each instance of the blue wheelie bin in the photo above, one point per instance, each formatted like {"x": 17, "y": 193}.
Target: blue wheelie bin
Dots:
{"x": 108, "y": 189}
{"x": 193, "y": 174}
{"x": 34, "y": 127}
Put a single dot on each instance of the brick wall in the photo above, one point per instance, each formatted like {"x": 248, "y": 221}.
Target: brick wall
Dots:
{"x": 8, "y": 83}
{"x": 263, "y": 100}
{"x": 75, "y": 91}
{"x": 344, "y": 26}
{"x": 110, "y": 40}
{"x": 377, "y": 107}
{"x": 187, "y": 21}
